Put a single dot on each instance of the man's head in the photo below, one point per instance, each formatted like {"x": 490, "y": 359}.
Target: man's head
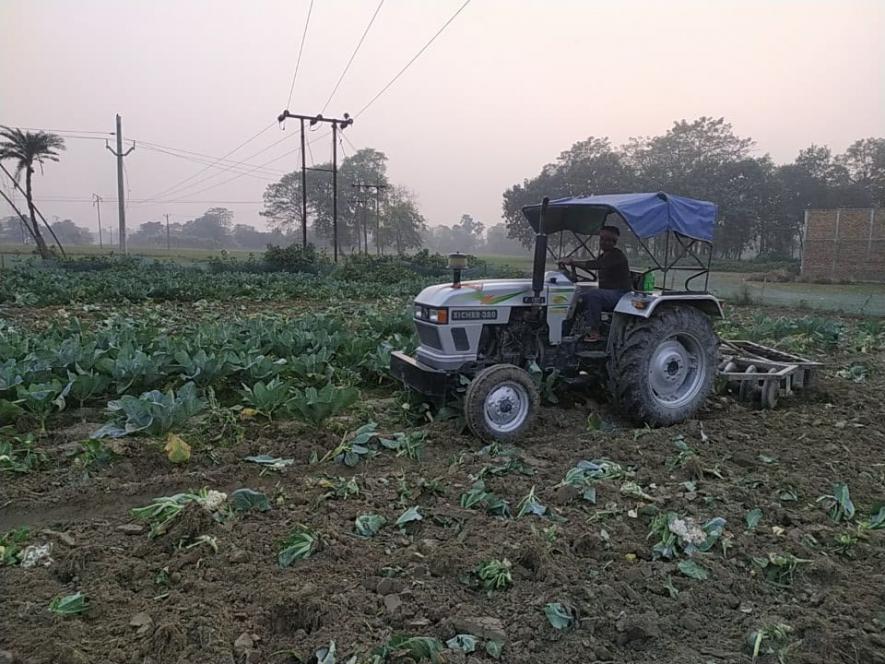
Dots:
{"x": 608, "y": 237}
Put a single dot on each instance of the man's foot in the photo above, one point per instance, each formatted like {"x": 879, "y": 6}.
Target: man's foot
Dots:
{"x": 593, "y": 337}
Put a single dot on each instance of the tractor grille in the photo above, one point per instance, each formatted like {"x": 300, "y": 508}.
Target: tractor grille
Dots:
{"x": 429, "y": 335}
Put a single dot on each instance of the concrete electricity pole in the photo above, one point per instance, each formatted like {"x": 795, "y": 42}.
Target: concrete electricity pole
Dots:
{"x": 121, "y": 194}
{"x": 336, "y": 125}
{"x": 167, "y": 232}
{"x": 96, "y": 203}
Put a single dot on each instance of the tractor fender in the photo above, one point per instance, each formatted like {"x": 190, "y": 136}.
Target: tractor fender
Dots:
{"x": 643, "y": 305}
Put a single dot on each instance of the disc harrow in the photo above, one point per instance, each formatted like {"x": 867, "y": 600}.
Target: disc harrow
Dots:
{"x": 756, "y": 373}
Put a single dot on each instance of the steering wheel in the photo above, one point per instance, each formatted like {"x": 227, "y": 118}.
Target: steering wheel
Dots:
{"x": 572, "y": 271}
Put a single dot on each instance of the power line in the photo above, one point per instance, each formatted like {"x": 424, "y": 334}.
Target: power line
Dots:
{"x": 197, "y": 160}
{"x": 200, "y": 172}
{"x": 300, "y": 51}
{"x": 61, "y": 199}
{"x": 352, "y": 56}
{"x": 416, "y": 56}
{"x": 270, "y": 161}
{"x": 203, "y": 158}
{"x": 355, "y": 148}
{"x": 66, "y": 131}
{"x": 181, "y": 186}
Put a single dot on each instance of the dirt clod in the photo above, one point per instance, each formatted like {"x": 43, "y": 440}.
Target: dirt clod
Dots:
{"x": 484, "y": 627}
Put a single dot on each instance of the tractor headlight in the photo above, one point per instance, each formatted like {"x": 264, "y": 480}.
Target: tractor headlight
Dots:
{"x": 438, "y": 316}
{"x": 431, "y": 315}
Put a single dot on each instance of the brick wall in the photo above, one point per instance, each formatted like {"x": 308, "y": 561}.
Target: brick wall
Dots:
{"x": 844, "y": 244}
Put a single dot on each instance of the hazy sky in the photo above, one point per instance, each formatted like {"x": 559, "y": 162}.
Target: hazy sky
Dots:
{"x": 506, "y": 87}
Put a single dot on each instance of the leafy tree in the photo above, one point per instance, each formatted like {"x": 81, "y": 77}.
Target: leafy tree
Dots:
{"x": 70, "y": 233}
{"x": 245, "y": 236}
{"x": 467, "y": 234}
{"x": 12, "y": 231}
{"x": 589, "y": 167}
{"x": 864, "y": 163}
{"x": 499, "y": 242}
{"x": 401, "y": 223}
{"x": 27, "y": 148}
{"x": 212, "y": 228}
{"x": 282, "y": 200}
{"x": 153, "y": 234}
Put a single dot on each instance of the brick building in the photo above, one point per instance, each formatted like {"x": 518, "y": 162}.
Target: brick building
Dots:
{"x": 844, "y": 244}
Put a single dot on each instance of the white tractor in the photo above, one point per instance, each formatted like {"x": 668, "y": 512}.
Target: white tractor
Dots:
{"x": 658, "y": 355}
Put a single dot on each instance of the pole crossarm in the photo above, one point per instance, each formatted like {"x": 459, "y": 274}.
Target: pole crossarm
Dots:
{"x": 337, "y": 123}
{"x": 315, "y": 119}
{"x": 114, "y": 152}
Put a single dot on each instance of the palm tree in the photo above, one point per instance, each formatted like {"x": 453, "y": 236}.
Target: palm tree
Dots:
{"x": 26, "y": 148}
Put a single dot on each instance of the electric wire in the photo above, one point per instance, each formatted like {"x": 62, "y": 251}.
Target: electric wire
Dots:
{"x": 349, "y": 142}
{"x": 197, "y": 160}
{"x": 199, "y": 157}
{"x": 62, "y": 199}
{"x": 300, "y": 51}
{"x": 384, "y": 89}
{"x": 352, "y": 56}
{"x": 186, "y": 191}
{"x": 64, "y": 131}
{"x": 178, "y": 185}
{"x": 415, "y": 57}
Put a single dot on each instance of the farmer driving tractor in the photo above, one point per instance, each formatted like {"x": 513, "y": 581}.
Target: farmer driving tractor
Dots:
{"x": 614, "y": 280}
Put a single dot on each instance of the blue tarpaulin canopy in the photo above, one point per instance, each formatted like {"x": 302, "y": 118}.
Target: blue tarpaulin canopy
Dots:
{"x": 647, "y": 215}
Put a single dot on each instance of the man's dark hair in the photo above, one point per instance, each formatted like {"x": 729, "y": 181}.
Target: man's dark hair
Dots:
{"x": 611, "y": 229}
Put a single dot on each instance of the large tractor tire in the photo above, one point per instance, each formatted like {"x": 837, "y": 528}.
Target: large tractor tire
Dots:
{"x": 661, "y": 369}
{"x": 501, "y": 403}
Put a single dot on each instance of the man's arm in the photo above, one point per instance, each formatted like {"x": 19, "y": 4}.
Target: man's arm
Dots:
{"x": 588, "y": 264}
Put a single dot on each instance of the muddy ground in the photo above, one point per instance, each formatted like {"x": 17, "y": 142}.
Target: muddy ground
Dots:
{"x": 238, "y": 605}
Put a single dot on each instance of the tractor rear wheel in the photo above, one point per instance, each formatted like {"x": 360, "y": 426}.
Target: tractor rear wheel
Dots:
{"x": 501, "y": 403}
{"x": 661, "y": 369}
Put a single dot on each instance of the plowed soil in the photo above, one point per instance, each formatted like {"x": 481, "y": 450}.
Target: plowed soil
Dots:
{"x": 238, "y": 605}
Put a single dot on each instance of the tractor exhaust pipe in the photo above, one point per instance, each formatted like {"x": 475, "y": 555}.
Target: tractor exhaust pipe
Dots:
{"x": 540, "y": 252}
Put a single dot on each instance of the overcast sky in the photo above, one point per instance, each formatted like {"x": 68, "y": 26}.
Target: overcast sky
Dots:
{"x": 503, "y": 90}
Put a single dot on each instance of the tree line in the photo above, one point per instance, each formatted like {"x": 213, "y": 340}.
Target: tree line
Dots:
{"x": 761, "y": 204}
{"x": 388, "y": 221}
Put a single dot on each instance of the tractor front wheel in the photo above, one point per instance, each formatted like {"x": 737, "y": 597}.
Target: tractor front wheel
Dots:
{"x": 501, "y": 403}
{"x": 661, "y": 369}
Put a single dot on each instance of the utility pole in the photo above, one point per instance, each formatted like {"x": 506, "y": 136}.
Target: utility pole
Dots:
{"x": 361, "y": 202}
{"x": 303, "y": 190}
{"x": 377, "y": 187}
{"x": 337, "y": 123}
{"x": 168, "y": 245}
{"x": 121, "y": 194}
{"x": 96, "y": 203}
{"x": 335, "y": 187}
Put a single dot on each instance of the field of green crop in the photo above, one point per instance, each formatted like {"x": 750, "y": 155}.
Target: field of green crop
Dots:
{"x": 214, "y": 467}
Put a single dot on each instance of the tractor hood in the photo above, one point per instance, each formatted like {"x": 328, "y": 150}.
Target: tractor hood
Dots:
{"x": 484, "y": 292}
{"x": 491, "y": 292}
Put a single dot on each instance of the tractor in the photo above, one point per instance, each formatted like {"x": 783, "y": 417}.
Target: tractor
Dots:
{"x": 658, "y": 354}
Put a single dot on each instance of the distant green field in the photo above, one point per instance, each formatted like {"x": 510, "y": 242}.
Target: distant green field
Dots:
{"x": 864, "y": 299}
{"x": 11, "y": 253}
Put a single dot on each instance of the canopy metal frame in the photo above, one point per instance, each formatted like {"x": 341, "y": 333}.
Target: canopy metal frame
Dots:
{"x": 689, "y": 255}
